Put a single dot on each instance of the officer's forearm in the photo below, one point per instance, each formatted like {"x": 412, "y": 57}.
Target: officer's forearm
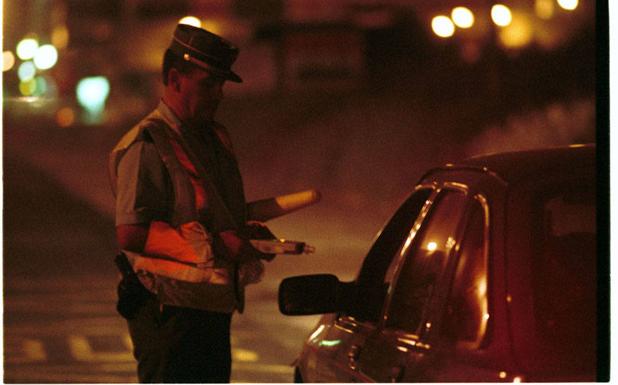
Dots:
{"x": 235, "y": 248}
{"x": 132, "y": 237}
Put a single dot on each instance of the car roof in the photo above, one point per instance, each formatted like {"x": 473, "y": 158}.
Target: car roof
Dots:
{"x": 517, "y": 165}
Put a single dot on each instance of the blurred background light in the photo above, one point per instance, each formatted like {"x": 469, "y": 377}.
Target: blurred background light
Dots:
{"x": 27, "y": 87}
{"x": 8, "y": 60}
{"x": 501, "y": 15}
{"x": 41, "y": 86}
{"x": 569, "y": 5}
{"x": 65, "y": 117}
{"x": 518, "y": 34}
{"x": 544, "y": 9}
{"x": 462, "y": 17}
{"x": 26, "y": 49}
{"x": 442, "y": 26}
{"x": 191, "y": 20}
{"x": 547, "y": 38}
{"x": 213, "y": 26}
{"x": 26, "y": 71}
{"x": 92, "y": 93}
{"x": 471, "y": 51}
{"x": 46, "y": 57}
{"x": 60, "y": 36}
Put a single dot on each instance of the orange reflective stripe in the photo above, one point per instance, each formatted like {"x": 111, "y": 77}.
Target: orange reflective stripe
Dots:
{"x": 188, "y": 243}
{"x": 198, "y": 187}
{"x": 180, "y": 271}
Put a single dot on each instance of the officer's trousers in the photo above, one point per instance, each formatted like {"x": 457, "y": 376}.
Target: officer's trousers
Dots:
{"x": 175, "y": 344}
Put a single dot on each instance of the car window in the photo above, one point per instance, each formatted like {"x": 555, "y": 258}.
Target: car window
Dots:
{"x": 371, "y": 275}
{"x": 565, "y": 269}
{"x": 467, "y": 311}
{"x": 425, "y": 262}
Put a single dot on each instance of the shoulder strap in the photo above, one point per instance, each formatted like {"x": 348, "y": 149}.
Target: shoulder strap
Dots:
{"x": 220, "y": 219}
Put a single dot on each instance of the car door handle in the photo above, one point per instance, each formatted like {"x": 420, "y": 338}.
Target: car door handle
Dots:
{"x": 353, "y": 355}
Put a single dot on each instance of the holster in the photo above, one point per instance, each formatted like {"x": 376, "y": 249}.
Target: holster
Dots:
{"x": 132, "y": 295}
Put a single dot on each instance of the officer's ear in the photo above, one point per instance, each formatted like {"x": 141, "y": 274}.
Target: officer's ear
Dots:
{"x": 173, "y": 79}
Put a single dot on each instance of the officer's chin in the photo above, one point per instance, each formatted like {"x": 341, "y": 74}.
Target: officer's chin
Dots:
{"x": 204, "y": 118}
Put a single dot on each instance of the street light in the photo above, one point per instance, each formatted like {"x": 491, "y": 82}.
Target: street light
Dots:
{"x": 92, "y": 93}
{"x": 544, "y": 9}
{"x": 8, "y": 60}
{"x": 443, "y": 26}
{"x": 518, "y": 33}
{"x": 26, "y": 71}
{"x": 462, "y": 17}
{"x": 46, "y": 57}
{"x": 26, "y": 49}
{"x": 501, "y": 15}
{"x": 27, "y": 87}
{"x": 568, "y": 5}
{"x": 60, "y": 36}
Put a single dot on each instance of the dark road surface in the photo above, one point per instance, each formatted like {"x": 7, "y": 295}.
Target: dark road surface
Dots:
{"x": 48, "y": 232}
{"x": 59, "y": 318}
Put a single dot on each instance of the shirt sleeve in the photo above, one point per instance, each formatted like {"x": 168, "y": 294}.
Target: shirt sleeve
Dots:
{"x": 144, "y": 189}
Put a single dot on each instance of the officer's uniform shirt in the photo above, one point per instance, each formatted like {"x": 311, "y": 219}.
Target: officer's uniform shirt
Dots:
{"x": 144, "y": 189}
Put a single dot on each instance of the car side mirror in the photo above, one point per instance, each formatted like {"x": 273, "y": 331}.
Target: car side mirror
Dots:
{"x": 313, "y": 294}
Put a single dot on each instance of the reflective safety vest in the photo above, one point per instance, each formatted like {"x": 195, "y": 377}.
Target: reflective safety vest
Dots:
{"x": 178, "y": 263}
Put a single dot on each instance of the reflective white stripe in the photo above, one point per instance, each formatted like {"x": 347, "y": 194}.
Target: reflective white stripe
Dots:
{"x": 179, "y": 271}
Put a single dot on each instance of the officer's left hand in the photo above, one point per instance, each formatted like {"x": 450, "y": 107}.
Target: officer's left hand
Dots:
{"x": 258, "y": 230}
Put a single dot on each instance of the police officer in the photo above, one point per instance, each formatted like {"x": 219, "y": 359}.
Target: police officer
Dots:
{"x": 181, "y": 220}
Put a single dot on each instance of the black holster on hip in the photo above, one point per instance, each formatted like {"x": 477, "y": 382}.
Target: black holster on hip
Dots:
{"x": 132, "y": 295}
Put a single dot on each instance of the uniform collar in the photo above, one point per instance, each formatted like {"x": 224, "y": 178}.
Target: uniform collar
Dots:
{"x": 173, "y": 121}
{"x": 170, "y": 117}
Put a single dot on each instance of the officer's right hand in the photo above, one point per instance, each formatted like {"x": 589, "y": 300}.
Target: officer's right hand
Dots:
{"x": 237, "y": 249}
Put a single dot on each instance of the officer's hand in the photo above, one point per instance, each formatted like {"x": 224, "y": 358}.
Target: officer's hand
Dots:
{"x": 258, "y": 230}
{"x": 237, "y": 248}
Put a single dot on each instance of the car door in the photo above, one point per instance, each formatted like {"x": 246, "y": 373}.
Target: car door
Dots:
{"x": 402, "y": 347}
{"x": 343, "y": 340}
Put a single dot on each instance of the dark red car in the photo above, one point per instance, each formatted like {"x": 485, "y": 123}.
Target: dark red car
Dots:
{"x": 486, "y": 273}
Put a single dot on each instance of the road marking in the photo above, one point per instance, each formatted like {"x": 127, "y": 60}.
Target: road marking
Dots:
{"x": 244, "y": 355}
{"x": 29, "y": 375}
{"x": 90, "y": 326}
{"x": 24, "y": 351}
{"x": 45, "y": 307}
{"x": 82, "y": 351}
{"x": 127, "y": 341}
{"x": 264, "y": 368}
{"x": 119, "y": 367}
{"x": 95, "y": 345}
